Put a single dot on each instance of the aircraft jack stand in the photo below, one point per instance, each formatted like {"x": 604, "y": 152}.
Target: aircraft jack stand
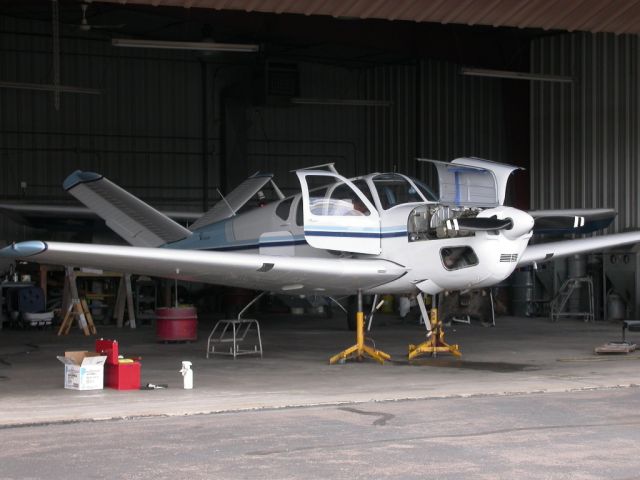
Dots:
{"x": 435, "y": 343}
{"x": 360, "y": 350}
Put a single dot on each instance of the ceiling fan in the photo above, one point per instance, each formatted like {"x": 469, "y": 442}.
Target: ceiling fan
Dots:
{"x": 85, "y": 26}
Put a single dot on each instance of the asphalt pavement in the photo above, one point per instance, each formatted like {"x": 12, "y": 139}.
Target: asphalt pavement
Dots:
{"x": 574, "y": 435}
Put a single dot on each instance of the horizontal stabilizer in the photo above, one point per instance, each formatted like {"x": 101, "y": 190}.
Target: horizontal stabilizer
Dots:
{"x": 230, "y": 204}
{"x": 135, "y": 221}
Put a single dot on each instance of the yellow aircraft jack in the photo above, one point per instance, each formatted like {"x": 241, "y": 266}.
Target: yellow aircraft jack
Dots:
{"x": 359, "y": 351}
{"x": 435, "y": 343}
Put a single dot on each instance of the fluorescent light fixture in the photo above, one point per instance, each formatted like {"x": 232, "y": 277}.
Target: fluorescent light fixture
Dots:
{"x": 198, "y": 46}
{"x": 49, "y": 88}
{"x": 539, "y": 77}
{"x": 342, "y": 102}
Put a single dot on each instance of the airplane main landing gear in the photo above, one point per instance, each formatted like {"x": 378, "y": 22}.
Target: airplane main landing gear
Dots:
{"x": 435, "y": 340}
{"x": 360, "y": 350}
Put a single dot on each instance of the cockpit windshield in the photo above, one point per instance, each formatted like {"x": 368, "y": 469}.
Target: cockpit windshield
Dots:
{"x": 427, "y": 191}
{"x": 394, "y": 189}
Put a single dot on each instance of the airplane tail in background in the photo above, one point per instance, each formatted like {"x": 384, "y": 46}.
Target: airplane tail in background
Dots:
{"x": 235, "y": 200}
{"x": 138, "y": 223}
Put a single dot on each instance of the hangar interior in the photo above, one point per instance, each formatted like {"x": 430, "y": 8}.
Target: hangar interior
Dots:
{"x": 369, "y": 86}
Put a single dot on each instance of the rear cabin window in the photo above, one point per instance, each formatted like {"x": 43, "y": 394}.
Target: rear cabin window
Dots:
{"x": 284, "y": 208}
{"x": 299, "y": 214}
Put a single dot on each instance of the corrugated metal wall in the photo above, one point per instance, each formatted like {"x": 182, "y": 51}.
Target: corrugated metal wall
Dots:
{"x": 584, "y": 136}
{"x": 145, "y": 132}
{"x": 435, "y": 113}
{"x": 281, "y": 139}
{"x": 148, "y": 116}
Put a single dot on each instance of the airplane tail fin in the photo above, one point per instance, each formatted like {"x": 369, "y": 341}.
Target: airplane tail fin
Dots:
{"x": 236, "y": 199}
{"x": 138, "y": 223}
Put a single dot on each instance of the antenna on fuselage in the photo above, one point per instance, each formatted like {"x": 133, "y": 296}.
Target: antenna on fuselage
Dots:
{"x": 233, "y": 212}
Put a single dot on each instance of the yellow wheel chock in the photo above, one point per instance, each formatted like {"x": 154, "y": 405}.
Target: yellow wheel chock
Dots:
{"x": 435, "y": 343}
{"x": 360, "y": 350}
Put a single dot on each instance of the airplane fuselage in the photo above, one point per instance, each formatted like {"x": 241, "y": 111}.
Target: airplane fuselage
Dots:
{"x": 477, "y": 260}
{"x": 380, "y": 233}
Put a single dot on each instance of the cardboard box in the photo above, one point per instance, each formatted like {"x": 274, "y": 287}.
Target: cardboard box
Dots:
{"x": 83, "y": 370}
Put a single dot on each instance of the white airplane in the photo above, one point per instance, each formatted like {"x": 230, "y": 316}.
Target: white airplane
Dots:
{"x": 382, "y": 233}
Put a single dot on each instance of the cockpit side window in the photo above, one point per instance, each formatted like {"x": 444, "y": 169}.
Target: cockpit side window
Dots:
{"x": 395, "y": 190}
{"x": 345, "y": 201}
{"x": 336, "y": 200}
{"x": 364, "y": 188}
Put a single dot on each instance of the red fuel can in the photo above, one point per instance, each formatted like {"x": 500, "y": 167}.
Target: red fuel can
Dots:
{"x": 175, "y": 324}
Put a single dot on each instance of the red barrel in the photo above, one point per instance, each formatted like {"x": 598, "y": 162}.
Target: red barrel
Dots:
{"x": 176, "y": 324}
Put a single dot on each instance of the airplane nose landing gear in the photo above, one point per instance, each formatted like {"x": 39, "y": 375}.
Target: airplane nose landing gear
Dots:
{"x": 435, "y": 338}
{"x": 359, "y": 351}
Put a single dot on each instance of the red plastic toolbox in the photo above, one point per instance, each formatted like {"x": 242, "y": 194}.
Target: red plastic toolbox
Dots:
{"x": 108, "y": 348}
{"x": 122, "y": 376}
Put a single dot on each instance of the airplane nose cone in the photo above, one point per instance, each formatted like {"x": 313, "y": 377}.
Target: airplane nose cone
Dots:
{"x": 522, "y": 224}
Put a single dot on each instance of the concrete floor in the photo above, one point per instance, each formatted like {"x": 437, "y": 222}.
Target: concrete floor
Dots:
{"x": 518, "y": 356}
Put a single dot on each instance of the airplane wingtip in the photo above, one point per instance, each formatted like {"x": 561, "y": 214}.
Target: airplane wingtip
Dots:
{"x": 79, "y": 177}
{"x": 23, "y": 249}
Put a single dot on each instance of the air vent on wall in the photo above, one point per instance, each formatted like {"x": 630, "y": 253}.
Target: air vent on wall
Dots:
{"x": 276, "y": 83}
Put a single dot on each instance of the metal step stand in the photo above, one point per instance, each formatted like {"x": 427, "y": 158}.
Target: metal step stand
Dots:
{"x": 234, "y": 332}
{"x": 359, "y": 351}
{"x": 567, "y": 290}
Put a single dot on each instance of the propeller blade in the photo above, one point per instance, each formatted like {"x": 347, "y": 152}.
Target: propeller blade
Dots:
{"x": 571, "y": 221}
{"x": 552, "y": 224}
{"x": 479, "y": 224}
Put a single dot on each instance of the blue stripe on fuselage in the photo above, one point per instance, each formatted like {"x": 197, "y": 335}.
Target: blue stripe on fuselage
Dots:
{"x": 325, "y": 233}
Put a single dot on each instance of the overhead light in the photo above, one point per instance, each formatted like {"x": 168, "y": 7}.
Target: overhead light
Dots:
{"x": 199, "y": 46}
{"x": 540, "y": 77}
{"x": 343, "y": 102}
{"x": 49, "y": 88}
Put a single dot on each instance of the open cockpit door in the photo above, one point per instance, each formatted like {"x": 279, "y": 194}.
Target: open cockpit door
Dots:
{"x": 472, "y": 181}
{"x": 337, "y": 215}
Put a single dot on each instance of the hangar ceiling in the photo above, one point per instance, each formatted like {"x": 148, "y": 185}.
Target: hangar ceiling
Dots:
{"x": 345, "y": 41}
{"x": 614, "y": 16}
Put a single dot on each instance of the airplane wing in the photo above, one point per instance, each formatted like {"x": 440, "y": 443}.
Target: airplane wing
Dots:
{"x": 288, "y": 275}
{"x": 543, "y": 252}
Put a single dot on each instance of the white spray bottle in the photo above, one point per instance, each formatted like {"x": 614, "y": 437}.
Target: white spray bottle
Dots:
{"x": 187, "y": 374}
